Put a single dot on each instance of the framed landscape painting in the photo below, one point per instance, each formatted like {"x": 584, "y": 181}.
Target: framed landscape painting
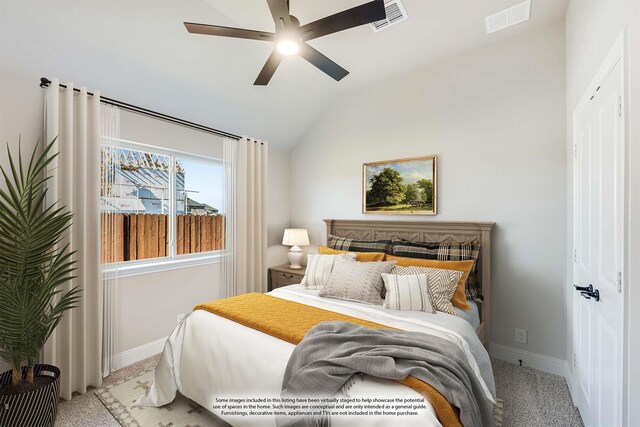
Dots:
{"x": 402, "y": 186}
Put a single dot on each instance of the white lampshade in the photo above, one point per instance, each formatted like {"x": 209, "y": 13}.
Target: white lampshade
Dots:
{"x": 295, "y": 237}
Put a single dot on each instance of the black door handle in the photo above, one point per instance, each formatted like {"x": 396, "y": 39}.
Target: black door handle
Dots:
{"x": 591, "y": 294}
{"x": 584, "y": 288}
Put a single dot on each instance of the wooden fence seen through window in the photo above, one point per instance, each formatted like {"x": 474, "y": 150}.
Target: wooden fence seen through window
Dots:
{"x": 128, "y": 237}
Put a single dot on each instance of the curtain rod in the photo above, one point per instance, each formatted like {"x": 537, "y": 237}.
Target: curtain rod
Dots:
{"x": 45, "y": 82}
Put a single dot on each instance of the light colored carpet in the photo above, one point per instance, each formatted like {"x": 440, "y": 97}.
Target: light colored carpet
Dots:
{"x": 534, "y": 398}
{"x": 527, "y": 398}
{"x": 87, "y": 410}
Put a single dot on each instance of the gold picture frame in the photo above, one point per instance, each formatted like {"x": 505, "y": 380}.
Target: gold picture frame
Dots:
{"x": 401, "y": 186}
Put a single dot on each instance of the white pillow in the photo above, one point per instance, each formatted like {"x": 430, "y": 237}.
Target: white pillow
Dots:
{"x": 319, "y": 268}
{"x": 407, "y": 293}
{"x": 442, "y": 284}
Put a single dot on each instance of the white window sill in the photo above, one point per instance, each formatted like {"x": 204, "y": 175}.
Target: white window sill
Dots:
{"x": 135, "y": 268}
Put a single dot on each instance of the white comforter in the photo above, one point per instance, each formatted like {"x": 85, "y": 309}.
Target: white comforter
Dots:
{"x": 208, "y": 356}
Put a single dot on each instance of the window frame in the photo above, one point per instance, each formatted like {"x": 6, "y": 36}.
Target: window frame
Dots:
{"x": 172, "y": 260}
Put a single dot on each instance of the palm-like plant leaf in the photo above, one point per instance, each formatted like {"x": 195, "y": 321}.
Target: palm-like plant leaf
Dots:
{"x": 34, "y": 267}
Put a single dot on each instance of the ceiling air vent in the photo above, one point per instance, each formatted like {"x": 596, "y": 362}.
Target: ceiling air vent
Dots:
{"x": 508, "y": 17}
{"x": 395, "y": 13}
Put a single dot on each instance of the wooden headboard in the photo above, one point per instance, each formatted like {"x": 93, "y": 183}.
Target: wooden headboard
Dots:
{"x": 430, "y": 231}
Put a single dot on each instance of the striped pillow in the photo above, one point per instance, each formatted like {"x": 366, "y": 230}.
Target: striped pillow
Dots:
{"x": 442, "y": 284}
{"x": 345, "y": 244}
{"x": 445, "y": 251}
{"x": 319, "y": 269}
{"x": 407, "y": 293}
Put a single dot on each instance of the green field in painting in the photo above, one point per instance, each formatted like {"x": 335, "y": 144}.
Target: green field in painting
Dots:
{"x": 400, "y": 208}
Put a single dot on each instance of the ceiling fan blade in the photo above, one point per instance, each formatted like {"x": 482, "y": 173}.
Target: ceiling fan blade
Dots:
{"x": 354, "y": 17}
{"x": 322, "y": 62}
{"x": 280, "y": 12}
{"x": 216, "y": 30}
{"x": 269, "y": 68}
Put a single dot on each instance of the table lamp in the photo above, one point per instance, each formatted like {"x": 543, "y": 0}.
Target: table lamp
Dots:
{"x": 295, "y": 237}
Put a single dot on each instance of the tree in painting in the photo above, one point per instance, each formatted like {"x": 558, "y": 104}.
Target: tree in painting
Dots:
{"x": 426, "y": 190}
{"x": 386, "y": 188}
{"x": 403, "y": 186}
{"x": 412, "y": 194}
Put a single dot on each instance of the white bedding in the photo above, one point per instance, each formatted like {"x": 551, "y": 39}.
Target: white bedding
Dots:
{"x": 472, "y": 316}
{"x": 208, "y": 356}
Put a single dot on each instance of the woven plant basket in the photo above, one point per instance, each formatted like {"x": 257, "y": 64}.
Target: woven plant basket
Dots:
{"x": 33, "y": 408}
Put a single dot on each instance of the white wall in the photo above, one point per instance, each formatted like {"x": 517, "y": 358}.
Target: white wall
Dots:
{"x": 496, "y": 119}
{"x": 21, "y": 103}
{"x": 149, "y": 303}
{"x": 591, "y": 29}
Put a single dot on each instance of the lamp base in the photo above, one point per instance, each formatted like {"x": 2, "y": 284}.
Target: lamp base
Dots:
{"x": 295, "y": 257}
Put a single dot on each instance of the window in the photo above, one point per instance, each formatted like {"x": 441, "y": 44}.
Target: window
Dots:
{"x": 200, "y": 226}
{"x": 160, "y": 205}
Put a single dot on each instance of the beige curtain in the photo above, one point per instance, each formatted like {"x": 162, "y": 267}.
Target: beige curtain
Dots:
{"x": 109, "y": 191}
{"x": 230, "y": 156}
{"x": 76, "y": 344}
{"x": 246, "y": 267}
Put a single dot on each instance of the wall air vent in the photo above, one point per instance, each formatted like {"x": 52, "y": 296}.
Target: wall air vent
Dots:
{"x": 395, "y": 13}
{"x": 508, "y": 17}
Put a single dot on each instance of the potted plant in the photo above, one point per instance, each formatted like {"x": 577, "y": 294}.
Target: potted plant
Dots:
{"x": 34, "y": 266}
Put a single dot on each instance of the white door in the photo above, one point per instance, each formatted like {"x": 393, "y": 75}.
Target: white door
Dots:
{"x": 599, "y": 251}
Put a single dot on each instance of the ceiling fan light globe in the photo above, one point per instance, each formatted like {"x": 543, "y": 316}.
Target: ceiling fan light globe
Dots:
{"x": 288, "y": 47}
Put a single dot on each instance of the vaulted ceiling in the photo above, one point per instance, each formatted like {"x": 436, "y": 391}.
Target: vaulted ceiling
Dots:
{"x": 139, "y": 51}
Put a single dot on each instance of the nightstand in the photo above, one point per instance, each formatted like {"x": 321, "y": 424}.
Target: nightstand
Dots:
{"x": 282, "y": 275}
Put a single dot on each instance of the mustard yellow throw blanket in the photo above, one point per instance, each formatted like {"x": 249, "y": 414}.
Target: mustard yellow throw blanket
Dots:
{"x": 290, "y": 321}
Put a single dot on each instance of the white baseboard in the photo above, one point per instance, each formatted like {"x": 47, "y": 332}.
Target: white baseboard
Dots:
{"x": 537, "y": 361}
{"x": 568, "y": 376}
{"x": 136, "y": 354}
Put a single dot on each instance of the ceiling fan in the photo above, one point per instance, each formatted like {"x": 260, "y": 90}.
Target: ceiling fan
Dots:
{"x": 291, "y": 38}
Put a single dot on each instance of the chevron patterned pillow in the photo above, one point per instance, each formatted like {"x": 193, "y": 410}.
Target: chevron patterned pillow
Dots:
{"x": 442, "y": 284}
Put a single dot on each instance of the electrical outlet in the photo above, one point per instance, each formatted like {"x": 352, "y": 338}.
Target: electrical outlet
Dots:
{"x": 521, "y": 336}
{"x": 179, "y": 318}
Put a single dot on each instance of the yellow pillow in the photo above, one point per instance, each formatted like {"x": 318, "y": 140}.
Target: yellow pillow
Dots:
{"x": 360, "y": 256}
{"x": 459, "y": 297}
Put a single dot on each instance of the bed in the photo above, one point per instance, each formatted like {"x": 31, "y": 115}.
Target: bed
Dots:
{"x": 208, "y": 356}
{"x": 431, "y": 231}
